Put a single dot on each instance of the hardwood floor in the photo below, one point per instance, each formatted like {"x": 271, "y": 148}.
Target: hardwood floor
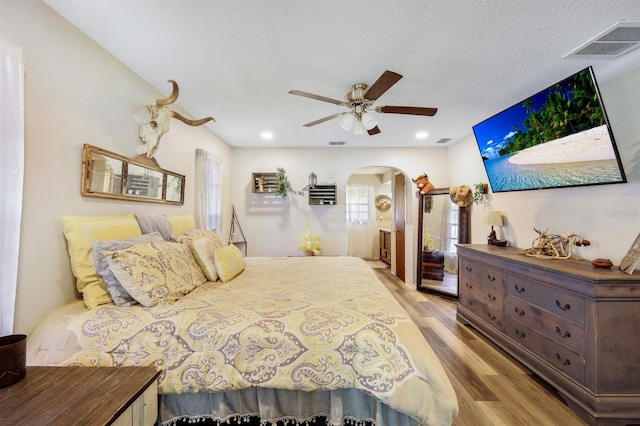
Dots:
{"x": 492, "y": 388}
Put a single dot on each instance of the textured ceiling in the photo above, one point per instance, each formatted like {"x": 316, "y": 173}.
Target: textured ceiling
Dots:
{"x": 236, "y": 60}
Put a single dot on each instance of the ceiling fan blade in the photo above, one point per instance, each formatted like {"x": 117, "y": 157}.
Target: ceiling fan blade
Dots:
{"x": 316, "y": 97}
{"x": 407, "y": 110}
{"x": 374, "y": 131}
{"x": 322, "y": 120}
{"x": 382, "y": 84}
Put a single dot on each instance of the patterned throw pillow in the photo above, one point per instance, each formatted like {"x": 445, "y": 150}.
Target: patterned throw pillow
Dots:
{"x": 214, "y": 237}
{"x": 203, "y": 250}
{"x": 229, "y": 262}
{"x": 184, "y": 237}
{"x": 118, "y": 293}
{"x": 81, "y": 232}
{"x": 156, "y": 272}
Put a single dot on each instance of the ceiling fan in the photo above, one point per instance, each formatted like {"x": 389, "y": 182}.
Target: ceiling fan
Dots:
{"x": 360, "y": 101}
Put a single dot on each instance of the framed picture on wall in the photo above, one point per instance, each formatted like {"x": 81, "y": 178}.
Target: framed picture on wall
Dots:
{"x": 630, "y": 261}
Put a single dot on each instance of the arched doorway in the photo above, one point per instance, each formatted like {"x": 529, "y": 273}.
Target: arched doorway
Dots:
{"x": 388, "y": 211}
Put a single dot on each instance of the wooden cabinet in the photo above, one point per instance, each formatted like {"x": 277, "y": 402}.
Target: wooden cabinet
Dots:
{"x": 322, "y": 195}
{"x": 574, "y": 325}
{"x": 121, "y": 396}
{"x": 385, "y": 246}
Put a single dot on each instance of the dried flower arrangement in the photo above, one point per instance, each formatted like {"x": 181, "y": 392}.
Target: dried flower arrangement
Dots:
{"x": 311, "y": 243}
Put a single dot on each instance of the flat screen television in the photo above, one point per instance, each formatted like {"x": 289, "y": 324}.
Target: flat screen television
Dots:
{"x": 559, "y": 137}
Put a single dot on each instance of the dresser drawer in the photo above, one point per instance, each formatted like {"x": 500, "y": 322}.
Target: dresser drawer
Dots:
{"x": 558, "y": 356}
{"x": 484, "y": 301}
{"x": 492, "y": 316}
{"x": 482, "y": 273}
{"x": 490, "y": 296}
{"x": 559, "y": 302}
{"x": 559, "y": 329}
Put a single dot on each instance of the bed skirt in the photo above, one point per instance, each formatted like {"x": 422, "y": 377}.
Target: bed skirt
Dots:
{"x": 334, "y": 408}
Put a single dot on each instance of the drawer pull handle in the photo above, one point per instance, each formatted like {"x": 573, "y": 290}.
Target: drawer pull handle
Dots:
{"x": 492, "y": 317}
{"x": 566, "y": 306}
{"x": 519, "y": 289}
{"x": 520, "y": 334}
{"x": 468, "y": 268}
{"x": 566, "y": 335}
{"x": 491, "y": 278}
{"x": 492, "y": 298}
{"x": 468, "y": 285}
{"x": 565, "y": 362}
{"x": 520, "y": 312}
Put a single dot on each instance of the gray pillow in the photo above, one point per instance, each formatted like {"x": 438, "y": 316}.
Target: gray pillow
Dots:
{"x": 118, "y": 293}
{"x": 150, "y": 222}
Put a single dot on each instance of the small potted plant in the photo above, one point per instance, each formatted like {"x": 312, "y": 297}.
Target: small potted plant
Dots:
{"x": 479, "y": 191}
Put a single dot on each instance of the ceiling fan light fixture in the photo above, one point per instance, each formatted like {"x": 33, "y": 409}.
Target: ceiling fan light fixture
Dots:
{"x": 369, "y": 121}
{"x": 358, "y": 128}
{"x": 347, "y": 121}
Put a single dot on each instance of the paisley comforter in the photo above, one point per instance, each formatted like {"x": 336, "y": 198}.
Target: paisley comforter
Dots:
{"x": 303, "y": 324}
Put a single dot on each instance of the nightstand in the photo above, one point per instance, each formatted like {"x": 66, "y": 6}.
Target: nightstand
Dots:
{"x": 81, "y": 396}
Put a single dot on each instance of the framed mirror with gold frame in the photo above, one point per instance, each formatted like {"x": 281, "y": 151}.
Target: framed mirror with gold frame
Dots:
{"x": 106, "y": 174}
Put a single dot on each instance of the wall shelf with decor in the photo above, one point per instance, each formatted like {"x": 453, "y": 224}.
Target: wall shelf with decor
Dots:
{"x": 263, "y": 182}
{"x": 322, "y": 195}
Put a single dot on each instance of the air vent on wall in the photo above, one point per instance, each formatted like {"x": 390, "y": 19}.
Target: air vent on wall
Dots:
{"x": 337, "y": 143}
{"x": 616, "y": 41}
{"x": 443, "y": 140}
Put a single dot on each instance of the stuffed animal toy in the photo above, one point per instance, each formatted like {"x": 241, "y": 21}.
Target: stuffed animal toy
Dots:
{"x": 423, "y": 184}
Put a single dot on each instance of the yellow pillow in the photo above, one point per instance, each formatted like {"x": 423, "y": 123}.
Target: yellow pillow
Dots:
{"x": 203, "y": 250}
{"x": 155, "y": 272}
{"x": 181, "y": 223}
{"x": 229, "y": 262}
{"x": 81, "y": 232}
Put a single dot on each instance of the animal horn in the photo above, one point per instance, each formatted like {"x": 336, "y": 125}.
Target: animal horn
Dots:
{"x": 172, "y": 98}
{"x": 191, "y": 122}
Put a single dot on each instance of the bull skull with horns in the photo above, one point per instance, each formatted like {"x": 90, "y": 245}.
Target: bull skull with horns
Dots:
{"x": 158, "y": 123}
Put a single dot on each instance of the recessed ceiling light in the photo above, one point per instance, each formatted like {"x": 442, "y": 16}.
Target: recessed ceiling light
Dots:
{"x": 422, "y": 135}
{"x": 266, "y": 135}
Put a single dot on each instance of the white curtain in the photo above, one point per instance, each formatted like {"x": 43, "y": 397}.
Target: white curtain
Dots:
{"x": 360, "y": 221}
{"x": 208, "y": 191}
{"x": 11, "y": 175}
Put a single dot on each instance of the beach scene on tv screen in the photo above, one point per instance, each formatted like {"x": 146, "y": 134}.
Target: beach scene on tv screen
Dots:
{"x": 556, "y": 138}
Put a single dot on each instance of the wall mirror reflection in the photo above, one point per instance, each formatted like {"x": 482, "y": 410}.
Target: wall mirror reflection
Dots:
{"x": 109, "y": 175}
{"x": 442, "y": 225}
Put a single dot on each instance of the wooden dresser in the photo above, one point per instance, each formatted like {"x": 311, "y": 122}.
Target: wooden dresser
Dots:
{"x": 118, "y": 396}
{"x": 576, "y": 326}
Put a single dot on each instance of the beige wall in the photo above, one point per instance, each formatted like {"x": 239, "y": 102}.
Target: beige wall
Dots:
{"x": 76, "y": 93}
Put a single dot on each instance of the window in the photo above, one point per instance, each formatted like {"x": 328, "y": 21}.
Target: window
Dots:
{"x": 454, "y": 214}
{"x": 358, "y": 203}
{"x": 208, "y": 190}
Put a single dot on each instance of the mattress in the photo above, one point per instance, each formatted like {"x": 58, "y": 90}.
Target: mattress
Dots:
{"x": 288, "y": 338}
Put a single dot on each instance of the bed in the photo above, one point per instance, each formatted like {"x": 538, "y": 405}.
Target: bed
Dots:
{"x": 285, "y": 339}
